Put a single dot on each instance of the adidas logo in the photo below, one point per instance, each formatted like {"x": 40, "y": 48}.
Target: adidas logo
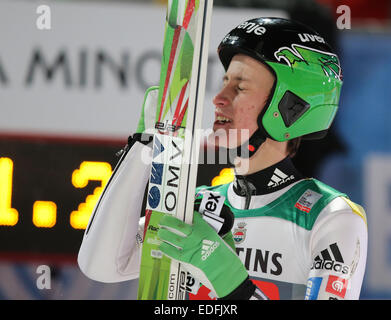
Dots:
{"x": 330, "y": 259}
{"x": 279, "y": 178}
{"x": 208, "y": 247}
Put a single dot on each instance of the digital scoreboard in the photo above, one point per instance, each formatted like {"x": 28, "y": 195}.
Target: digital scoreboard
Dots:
{"x": 48, "y": 188}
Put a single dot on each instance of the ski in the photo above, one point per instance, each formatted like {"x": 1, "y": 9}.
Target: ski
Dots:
{"x": 172, "y": 182}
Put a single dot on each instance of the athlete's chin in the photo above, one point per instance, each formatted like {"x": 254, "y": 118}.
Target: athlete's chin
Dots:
{"x": 220, "y": 127}
{"x": 223, "y": 137}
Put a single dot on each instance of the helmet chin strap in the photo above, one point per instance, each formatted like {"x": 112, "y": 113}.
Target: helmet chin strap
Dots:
{"x": 248, "y": 148}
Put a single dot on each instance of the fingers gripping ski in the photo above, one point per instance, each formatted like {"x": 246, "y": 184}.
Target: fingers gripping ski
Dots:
{"x": 203, "y": 252}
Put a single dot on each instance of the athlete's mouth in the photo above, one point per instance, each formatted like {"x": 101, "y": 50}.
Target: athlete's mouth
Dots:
{"x": 222, "y": 120}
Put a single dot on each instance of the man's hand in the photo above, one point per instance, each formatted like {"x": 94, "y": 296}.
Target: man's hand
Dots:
{"x": 146, "y": 123}
{"x": 147, "y": 119}
{"x": 203, "y": 253}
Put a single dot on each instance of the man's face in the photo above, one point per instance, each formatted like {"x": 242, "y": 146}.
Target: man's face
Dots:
{"x": 246, "y": 87}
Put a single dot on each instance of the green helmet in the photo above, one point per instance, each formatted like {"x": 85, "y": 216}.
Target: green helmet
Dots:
{"x": 304, "y": 99}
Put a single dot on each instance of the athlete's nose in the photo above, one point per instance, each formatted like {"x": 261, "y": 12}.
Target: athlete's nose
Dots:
{"x": 221, "y": 99}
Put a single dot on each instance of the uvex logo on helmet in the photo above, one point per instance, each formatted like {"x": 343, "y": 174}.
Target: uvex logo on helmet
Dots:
{"x": 252, "y": 27}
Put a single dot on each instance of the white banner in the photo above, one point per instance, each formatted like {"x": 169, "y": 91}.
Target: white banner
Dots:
{"x": 80, "y": 69}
